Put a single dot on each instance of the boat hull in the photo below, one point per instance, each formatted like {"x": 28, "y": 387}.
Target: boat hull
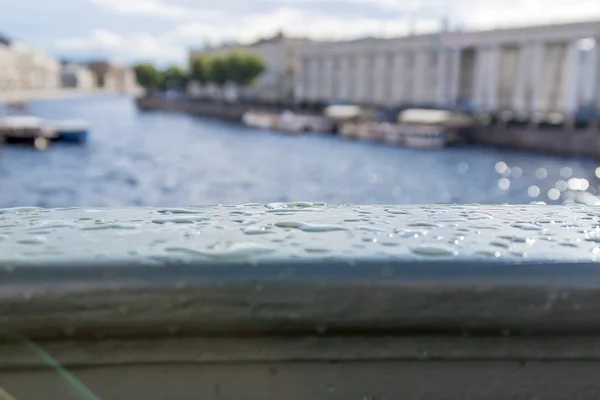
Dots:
{"x": 72, "y": 137}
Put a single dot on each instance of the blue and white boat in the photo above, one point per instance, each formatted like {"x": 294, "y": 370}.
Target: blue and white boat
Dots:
{"x": 73, "y": 131}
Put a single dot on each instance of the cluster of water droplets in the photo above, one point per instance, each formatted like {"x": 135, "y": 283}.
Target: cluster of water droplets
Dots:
{"x": 300, "y": 230}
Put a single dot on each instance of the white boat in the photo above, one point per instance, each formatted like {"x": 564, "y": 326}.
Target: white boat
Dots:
{"x": 261, "y": 120}
{"x": 424, "y": 136}
{"x": 424, "y": 128}
{"x": 23, "y": 128}
{"x": 287, "y": 121}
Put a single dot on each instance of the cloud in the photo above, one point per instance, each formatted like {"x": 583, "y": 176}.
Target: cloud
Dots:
{"x": 126, "y": 47}
{"x": 525, "y": 12}
{"x": 165, "y": 29}
{"x": 151, "y": 8}
{"x": 172, "y": 45}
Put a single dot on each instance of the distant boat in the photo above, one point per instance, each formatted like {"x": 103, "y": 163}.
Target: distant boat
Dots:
{"x": 17, "y": 105}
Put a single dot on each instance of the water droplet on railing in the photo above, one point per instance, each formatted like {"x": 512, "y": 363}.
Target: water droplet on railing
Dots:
{"x": 256, "y": 231}
{"x": 527, "y": 227}
{"x": 434, "y": 250}
{"x": 109, "y": 226}
{"x": 33, "y": 240}
{"x": 424, "y": 224}
{"x": 179, "y": 211}
{"x": 179, "y": 220}
{"x": 19, "y": 210}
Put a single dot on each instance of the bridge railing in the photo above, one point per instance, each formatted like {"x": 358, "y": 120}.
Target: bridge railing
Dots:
{"x": 300, "y": 300}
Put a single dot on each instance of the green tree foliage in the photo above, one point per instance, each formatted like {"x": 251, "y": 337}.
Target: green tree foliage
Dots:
{"x": 219, "y": 71}
{"x": 174, "y": 78}
{"x": 148, "y": 76}
{"x": 200, "y": 69}
{"x": 243, "y": 69}
{"x": 235, "y": 67}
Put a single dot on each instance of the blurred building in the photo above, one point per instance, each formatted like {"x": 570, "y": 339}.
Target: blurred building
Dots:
{"x": 114, "y": 76}
{"x": 78, "y": 76}
{"x": 537, "y": 69}
{"x": 22, "y": 67}
{"x": 280, "y": 54}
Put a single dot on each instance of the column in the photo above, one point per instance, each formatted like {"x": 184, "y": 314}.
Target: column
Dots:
{"x": 345, "y": 78}
{"x": 326, "y": 91}
{"x": 589, "y": 79}
{"x": 418, "y": 76}
{"x": 597, "y": 92}
{"x": 315, "y": 79}
{"x": 481, "y": 55}
{"x": 335, "y": 77}
{"x": 454, "y": 84}
{"x": 360, "y": 78}
{"x": 522, "y": 78}
{"x": 570, "y": 102}
{"x": 301, "y": 81}
{"x": 398, "y": 76}
{"x": 379, "y": 79}
{"x": 536, "y": 77}
{"x": 352, "y": 77}
{"x": 442, "y": 78}
{"x": 388, "y": 87}
{"x": 491, "y": 83}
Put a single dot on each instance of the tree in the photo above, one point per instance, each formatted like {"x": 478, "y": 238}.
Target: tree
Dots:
{"x": 219, "y": 71}
{"x": 242, "y": 68}
{"x": 174, "y": 78}
{"x": 200, "y": 69}
{"x": 147, "y": 76}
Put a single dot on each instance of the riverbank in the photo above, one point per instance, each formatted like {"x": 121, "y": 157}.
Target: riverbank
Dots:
{"x": 24, "y": 95}
{"x": 562, "y": 142}
{"x": 226, "y": 111}
{"x": 556, "y": 141}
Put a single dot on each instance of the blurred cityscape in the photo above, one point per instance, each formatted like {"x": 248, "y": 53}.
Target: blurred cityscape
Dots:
{"x": 533, "y": 88}
{"x": 23, "y": 67}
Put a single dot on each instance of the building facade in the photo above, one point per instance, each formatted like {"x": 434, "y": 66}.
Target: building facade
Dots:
{"x": 113, "y": 76}
{"x": 280, "y": 54}
{"x": 533, "y": 70}
{"x": 78, "y": 77}
{"x": 22, "y": 67}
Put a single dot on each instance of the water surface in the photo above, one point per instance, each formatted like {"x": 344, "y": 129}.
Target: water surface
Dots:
{"x": 135, "y": 158}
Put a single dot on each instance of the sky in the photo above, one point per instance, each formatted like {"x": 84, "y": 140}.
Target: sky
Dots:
{"x": 162, "y": 31}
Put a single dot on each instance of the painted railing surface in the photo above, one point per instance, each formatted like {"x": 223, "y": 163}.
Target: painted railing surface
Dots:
{"x": 300, "y": 300}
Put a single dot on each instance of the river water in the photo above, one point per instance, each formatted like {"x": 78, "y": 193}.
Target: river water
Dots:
{"x": 137, "y": 158}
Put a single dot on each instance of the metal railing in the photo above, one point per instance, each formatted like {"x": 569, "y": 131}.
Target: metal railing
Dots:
{"x": 300, "y": 300}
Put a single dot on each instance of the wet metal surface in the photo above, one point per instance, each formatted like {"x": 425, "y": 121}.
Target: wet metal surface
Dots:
{"x": 301, "y": 230}
{"x": 299, "y": 267}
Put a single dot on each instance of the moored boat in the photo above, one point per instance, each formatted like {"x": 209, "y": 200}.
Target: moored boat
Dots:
{"x": 72, "y": 131}
{"x": 351, "y": 121}
{"x": 26, "y": 129}
{"x": 424, "y": 128}
{"x": 288, "y": 122}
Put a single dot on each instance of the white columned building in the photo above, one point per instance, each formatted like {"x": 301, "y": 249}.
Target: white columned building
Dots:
{"x": 529, "y": 69}
{"x": 419, "y": 91}
{"x": 571, "y": 95}
{"x": 399, "y": 72}
{"x": 588, "y": 81}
